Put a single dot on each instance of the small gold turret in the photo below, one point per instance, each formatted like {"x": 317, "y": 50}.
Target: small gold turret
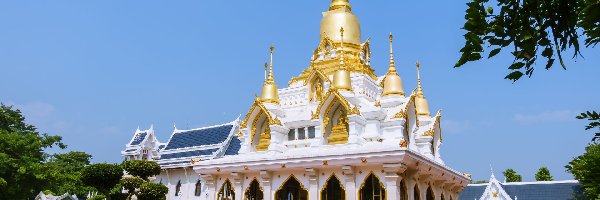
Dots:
{"x": 269, "y": 90}
{"x": 392, "y": 83}
{"x": 341, "y": 78}
{"x": 420, "y": 102}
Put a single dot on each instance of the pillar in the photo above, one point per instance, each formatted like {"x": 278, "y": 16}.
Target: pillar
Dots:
{"x": 392, "y": 179}
{"x": 313, "y": 188}
{"x": 211, "y": 185}
{"x": 349, "y": 182}
{"x": 237, "y": 185}
{"x": 265, "y": 177}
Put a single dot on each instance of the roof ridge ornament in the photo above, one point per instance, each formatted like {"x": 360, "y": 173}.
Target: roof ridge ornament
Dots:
{"x": 269, "y": 92}
{"x": 341, "y": 77}
{"x": 421, "y": 102}
{"x": 392, "y": 83}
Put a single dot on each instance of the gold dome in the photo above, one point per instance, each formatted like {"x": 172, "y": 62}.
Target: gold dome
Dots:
{"x": 340, "y": 16}
{"x": 420, "y": 102}
{"x": 341, "y": 77}
{"x": 269, "y": 90}
{"x": 392, "y": 83}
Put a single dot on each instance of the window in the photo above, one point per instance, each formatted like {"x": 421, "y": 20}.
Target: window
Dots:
{"x": 226, "y": 192}
{"x": 333, "y": 190}
{"x": 178, "y": 188}
{"x": 430, "y": 195}
{"x": 311, "y": 132}
{"x": 292, "y": 190}
{"x": 372, "y": 189}
{"x": 254, "y": 192}
{"x": 198, "y": 189}
{"x": 301, "y": 134}
{"x": 292, "y": 134}
{"x": 403, "y": 192}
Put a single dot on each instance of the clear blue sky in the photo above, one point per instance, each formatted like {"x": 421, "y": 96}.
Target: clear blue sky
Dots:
{"x": 92, "y": 71}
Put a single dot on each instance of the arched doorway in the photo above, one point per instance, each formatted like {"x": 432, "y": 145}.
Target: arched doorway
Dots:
{"x": 291, "y": 189}
{"x": 429, "y": 195}
{"x": 372, "y": 189}
{"x": 254, "y": 191}
{"x": 226, "y": 192}
{"x": 403, "y": 191}
{"x": 417, "y": 192}
{"x": 336, "y": 122}
{"x": 333, "y": 189}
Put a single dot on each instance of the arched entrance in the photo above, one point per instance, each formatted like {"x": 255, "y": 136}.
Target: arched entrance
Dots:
{"x": 430, "y": 195}
{"x": 226, "y": 192}
{"x": 403, "y": 191}
{"x": 417, "y": 192}
{"x": 372, "y": 189}
{"x": 333, "y": 189}
{"x": 254, "y": 191}
{"x": 291, "y": 189}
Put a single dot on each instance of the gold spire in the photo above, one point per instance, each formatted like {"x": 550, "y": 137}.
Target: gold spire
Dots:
{"x": 341, "y": 78}
{"x": 269, "y": 90}
{"x": 420, "y": 102}
{"x": 392, "y": 83}
{"x": 335, "y": 4}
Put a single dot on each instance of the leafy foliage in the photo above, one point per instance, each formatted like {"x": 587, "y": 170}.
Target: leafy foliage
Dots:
{"x": 103, "y": 176}
{"x": 529, "y": 28}
{"x": 130, "y": 184}
{"x": 22, "y": 156}
{"x": 586, "y": 169}
{"x": 141, "y": 168}
{"x": 63, "y": 172}
{"x": 594, "y": 117}
{"x": 153, "y": 191}
{"x": 511, "y": 176}
{"x": 97, "y": 197}
{"x": 543, "y": 174}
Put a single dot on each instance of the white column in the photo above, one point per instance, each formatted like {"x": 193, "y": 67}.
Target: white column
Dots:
{"x": 211, "y": 184}
{"x": 349, "y": 182}
{"x": 313, "y": 189}
{"x": 237, "y": 185}
{"x": 392, "y": 179}
{"x": 265, "y": 177}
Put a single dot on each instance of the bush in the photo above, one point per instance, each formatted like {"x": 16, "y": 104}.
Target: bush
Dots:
{"x": 103, "y": 177}
{"x": 153, "y": 191}
{"x": 141, "y": 168}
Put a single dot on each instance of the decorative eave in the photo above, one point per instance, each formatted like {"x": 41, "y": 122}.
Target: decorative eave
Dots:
{"x": 332, "y": 91}
{"x": 259, "y": 104}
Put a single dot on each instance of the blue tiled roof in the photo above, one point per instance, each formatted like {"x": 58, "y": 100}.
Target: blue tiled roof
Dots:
{"x": 130, "y": 150}
{"x": 160, "y": 147}
{"x": 138, "y": 138}
{"x": 177, "y": 162}
{"x": 472, "y": 192}
{"x": 188, "y": 153}
{"x": 530, "y": 191}
{"x": 193, "y": 138}
{"x": 234, "y": 146}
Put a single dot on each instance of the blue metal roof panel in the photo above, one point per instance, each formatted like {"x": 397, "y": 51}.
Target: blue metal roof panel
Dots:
{"x": 472, "y": 192}
{"x": 138, "y": 138}
{"x": 234, "y": 146}
{"x": 200, "y": 137}
{"x": 188, "y": 153}
{"x": 545, "y": 191}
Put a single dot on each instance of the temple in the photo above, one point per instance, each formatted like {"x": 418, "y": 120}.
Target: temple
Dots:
{"x": 337, "y": 131}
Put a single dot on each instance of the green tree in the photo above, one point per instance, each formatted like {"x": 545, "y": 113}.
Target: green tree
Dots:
{"x": 22, "y": 156}
{"x": 529, "y": 29}
{"x": 63, "y": 173}
{"x": 586, "y": 169}
{"x": 141, "y": 168}
{"x": 103, "y": 177}
{"x": 153, "y": 191}
{"x": 543, "y": 174}
{"x": 511, "y": 176}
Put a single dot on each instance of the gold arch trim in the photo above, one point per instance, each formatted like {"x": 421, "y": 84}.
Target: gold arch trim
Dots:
{"x": 250, "y": 185}
{"x": 221, "y": 188}
{"x": 327, "y": 182}
{"x": 287, "y": 179}
{"x": 362, "y": 185}
{"x": 332, "y": 91}
{"x": 258, "y": 104}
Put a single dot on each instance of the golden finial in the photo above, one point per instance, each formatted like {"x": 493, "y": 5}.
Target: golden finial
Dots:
{"x": 266, "y": 68}
{"x": 341, "y": 77}
{"x": 420, "y": 101}
{"x": 392, "y": 83}
{"x": 269, "y": 93}
{"x": 335, "y": 4}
